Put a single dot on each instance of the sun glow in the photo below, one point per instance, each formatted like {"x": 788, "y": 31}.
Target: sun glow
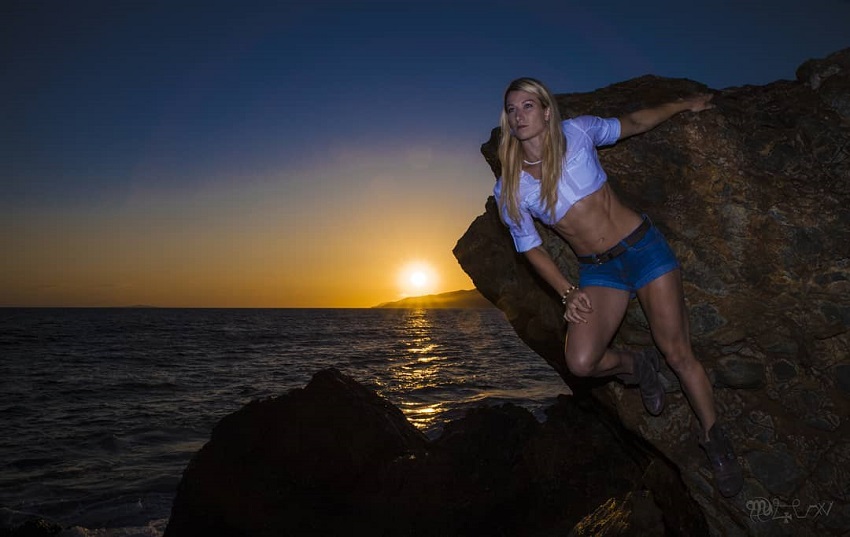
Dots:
{"x": 416, "y": 279}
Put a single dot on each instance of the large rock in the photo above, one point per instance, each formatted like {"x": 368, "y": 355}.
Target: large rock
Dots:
{"x": 336, "y": 459}
{"x": 305, "y": 461}
{"x": 754, "y": 197}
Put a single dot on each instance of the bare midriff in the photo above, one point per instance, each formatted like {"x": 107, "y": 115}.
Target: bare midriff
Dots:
{"x": 597, "y": 222}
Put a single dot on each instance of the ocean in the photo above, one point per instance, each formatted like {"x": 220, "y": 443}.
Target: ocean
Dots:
{"x": 103, "y": 408}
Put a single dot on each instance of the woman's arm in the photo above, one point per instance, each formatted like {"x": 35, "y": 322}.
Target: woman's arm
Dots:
{"x": 548, "y": 270}
{"x": 643, "y": 120}
{"x": 576, "y": 302}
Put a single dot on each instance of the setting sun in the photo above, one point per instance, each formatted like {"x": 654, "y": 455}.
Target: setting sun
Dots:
{"x": 417, "y": 279}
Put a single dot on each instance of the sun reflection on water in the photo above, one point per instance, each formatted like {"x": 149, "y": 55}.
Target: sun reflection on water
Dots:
{"x": 423, "y": 417}
{"x": 419, "y": 370}
{"x": 441, "y": 363}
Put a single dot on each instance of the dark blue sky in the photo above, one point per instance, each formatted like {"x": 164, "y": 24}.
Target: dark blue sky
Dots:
{"x": 111, "y": 107}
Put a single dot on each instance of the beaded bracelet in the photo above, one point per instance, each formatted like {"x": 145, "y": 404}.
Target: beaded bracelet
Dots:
{"x": 567, "y": 293}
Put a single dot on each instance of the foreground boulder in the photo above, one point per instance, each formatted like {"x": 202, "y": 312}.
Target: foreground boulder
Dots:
{"x": 336, "y": 459}
{"x": 754, "y": 197}
{"x": 309, "y": 460}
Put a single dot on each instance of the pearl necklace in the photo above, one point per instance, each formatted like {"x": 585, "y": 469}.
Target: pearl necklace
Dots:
{"x": 532, "y": 163}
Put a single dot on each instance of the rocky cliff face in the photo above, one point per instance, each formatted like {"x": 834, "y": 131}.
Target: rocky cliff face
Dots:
{"x": 754, "y": 197}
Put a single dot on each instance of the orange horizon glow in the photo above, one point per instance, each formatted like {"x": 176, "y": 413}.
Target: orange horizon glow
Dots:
{"x": 266, "y": 241}
{"x": 167, "y": 281}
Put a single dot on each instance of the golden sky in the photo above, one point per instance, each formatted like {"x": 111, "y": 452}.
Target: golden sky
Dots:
{"x": 277, "y": 238}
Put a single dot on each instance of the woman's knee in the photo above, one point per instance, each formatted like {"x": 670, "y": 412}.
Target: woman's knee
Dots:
{"x": 680, "y": 358}
{"x": 581, "y": 364}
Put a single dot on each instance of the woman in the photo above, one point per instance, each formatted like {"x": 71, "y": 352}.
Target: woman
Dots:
{"x": 551, "y": 172}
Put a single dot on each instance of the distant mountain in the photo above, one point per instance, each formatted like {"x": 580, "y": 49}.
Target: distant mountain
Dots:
{"x": 455, "y": 299}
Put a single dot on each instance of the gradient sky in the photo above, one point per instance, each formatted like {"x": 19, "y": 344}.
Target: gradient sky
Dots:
{"x": 295, "y": 154}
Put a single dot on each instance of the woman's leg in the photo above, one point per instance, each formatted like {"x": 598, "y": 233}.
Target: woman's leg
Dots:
{"x": 663, "y": 303}
{"x": 586, "y": 348}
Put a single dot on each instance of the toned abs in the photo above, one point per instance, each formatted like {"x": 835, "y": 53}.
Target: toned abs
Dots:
{"x": 597, "y": 222}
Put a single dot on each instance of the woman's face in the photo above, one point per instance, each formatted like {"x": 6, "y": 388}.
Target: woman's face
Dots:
{"x": 526, "y": 116}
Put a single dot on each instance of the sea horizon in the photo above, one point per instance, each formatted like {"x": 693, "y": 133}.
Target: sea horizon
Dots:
{"x": 426, "y": 302}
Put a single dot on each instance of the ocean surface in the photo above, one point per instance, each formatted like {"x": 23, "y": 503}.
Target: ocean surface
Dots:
{"x": 103, "y": 408}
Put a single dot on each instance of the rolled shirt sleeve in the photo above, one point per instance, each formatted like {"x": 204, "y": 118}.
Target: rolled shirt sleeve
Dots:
{"x": 524, "y": 233}
{"x": 602, "y": 131}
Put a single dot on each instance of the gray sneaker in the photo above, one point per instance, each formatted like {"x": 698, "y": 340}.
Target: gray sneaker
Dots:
{"x": 728, "y": 476}
{"x": 647, "y": 364}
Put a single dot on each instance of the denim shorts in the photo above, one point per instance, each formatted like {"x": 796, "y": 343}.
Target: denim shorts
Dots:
{"x": 648, "y": 259}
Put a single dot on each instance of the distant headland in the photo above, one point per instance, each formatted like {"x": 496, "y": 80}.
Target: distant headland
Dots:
{"x": 470, "y": 298}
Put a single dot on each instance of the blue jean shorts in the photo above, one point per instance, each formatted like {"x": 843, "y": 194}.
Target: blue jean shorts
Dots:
{"x": 646, "y": 260}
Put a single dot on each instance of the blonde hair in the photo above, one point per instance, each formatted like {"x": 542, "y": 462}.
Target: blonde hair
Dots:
{"x": 510, "y": 150}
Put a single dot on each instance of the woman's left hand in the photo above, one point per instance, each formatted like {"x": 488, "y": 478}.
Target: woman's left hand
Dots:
{"x": 699, "y": 102}
{"x": 578, "y": 306}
